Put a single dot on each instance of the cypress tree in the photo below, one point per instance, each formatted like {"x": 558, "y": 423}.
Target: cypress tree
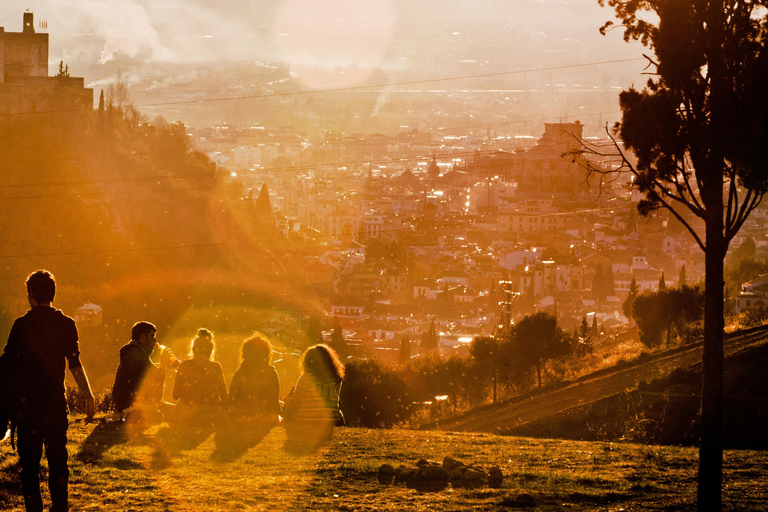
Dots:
{"x": 263, "y": 205}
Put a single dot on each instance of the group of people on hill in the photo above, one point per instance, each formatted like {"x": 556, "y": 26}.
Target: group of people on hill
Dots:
{"x": 44, "y": 341}
{"x": 310, "y": 410}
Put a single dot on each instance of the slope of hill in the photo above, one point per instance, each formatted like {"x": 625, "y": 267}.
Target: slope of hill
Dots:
{"x": 512, "y": 416}
{"x": 111, "y": 470}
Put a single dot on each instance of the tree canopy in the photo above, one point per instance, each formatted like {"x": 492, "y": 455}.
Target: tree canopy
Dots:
{"x": 485, "y": 352}
{"x": 667, "y": 311}
{"x": 539, "y": 338}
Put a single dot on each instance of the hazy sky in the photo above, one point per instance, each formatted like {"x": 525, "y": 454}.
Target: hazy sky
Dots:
{"x": 379, "y": 33}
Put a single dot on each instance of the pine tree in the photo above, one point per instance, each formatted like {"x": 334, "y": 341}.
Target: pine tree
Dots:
{"x": 598, "y": 284}
{"x": 338, "y": 343}
{"x": 429, "y": 339}
{"x": 583, "y": 330}
{"x": 629, "y": 302}
{"x": 632, "y": 221}
{"x": 610, "y": 285}
{"x": 699, "y": 130}
{"x": 405, "y": 349}
{"x": 63, "y": 70}
{"x": 539, "y": 338}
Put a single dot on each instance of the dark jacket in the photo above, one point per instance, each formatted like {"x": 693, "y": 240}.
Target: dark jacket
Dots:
{"x": 255, "y": 391}
{"x": 199, "y": 382}
{"x": 133, "y": 369}
{"x": 41, "y": 343}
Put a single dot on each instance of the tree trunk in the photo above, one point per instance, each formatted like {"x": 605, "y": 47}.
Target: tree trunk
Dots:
{"x": 538, "y": 371}
{"x": 709, "y": 494}
{"x": 495, "y": 379}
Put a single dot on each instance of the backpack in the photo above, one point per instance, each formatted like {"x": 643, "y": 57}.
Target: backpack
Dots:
{"x": 8, "y": 398}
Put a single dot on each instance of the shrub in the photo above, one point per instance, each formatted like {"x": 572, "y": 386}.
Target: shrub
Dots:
{"x": 374, "y": 395}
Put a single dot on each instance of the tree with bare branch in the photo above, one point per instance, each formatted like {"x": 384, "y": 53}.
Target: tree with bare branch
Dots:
{"x": 699, "y": 135}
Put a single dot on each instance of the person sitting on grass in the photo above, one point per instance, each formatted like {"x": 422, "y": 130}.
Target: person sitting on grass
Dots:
{"x": 311, "y": 410}
{"x": 254, "y": 394}
{"x": 137, "y": 394}
{"x": 199, "y": 388}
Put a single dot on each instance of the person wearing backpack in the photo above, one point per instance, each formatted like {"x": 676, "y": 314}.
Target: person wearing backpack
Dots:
{"x": 39, "y": 346}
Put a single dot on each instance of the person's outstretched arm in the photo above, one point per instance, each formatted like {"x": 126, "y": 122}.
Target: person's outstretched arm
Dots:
{"x": 273, "y": 393}
{"x": 294, "y": 399}
{"x": 219, "y": 383}
{"x": 78, "y": 372}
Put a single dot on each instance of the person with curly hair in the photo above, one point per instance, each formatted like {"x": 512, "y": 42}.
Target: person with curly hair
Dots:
{"x": 311, "y": 410}
{"x": 254, "y": 393}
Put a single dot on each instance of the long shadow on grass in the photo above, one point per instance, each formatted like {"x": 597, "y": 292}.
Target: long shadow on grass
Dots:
{"x": 179, "y": 437}
{"x": 232, "y": 441}
{"x": 104, "y": 436}
{"x": 10, "y": 483}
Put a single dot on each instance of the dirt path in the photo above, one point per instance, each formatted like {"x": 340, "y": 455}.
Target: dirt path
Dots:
{"x": 506, "y": 415}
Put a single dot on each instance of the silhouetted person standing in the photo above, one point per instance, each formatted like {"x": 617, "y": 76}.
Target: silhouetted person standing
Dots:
{"x": 42, "y": 342}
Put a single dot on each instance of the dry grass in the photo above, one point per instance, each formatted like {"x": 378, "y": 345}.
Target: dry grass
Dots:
{"x": 606, "y": 354}
{"x": 114, "y": 471}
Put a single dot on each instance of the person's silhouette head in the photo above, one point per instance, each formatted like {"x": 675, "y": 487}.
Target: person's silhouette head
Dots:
{"x": 41, "y": 287}
{"x": 202, "y": 345}
{"x": 144, "y": 333}
{"x": 257, "y": 349}
{"x": 322, "y": 362}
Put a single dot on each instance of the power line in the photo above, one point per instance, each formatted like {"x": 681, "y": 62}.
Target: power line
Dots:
{"x": 90, "y": 157}
{"x": 103, "y": 193}
{"x": 107, "y": 181}
{"x": 395, "y": 84}
{"x": 116, "y": 251}
{"x": 347, "y": 89}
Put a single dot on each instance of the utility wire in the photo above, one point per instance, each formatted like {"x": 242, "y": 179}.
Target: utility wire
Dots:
{"x": 345, "y": 89}
{"x": 394, "y": 84}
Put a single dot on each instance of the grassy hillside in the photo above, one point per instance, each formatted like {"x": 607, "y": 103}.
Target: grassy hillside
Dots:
{"x": 666, "y": 410}
{"x": 152, "y": 471}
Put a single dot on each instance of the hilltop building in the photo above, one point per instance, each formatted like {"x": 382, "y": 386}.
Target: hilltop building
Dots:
{"x": 24, "y": 82}
{"x": 541, "y": 171}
